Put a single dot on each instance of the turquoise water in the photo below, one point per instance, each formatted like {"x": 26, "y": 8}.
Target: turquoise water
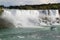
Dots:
{"x": 29, "y": 34}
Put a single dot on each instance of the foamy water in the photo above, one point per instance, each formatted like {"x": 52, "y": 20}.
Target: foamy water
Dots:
{"x": 29, "y": 23}
{"x": 28, "y": 18}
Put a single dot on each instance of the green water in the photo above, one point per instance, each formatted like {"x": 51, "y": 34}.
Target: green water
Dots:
{"x": 29, "y": 34}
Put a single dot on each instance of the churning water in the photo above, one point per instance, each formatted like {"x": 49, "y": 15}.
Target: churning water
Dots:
{"x": 27, "y": 25}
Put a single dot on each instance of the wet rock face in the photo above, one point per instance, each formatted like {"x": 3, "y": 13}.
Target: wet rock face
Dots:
{"x": 1, "y": 11}
{"x": 5, "y": 23}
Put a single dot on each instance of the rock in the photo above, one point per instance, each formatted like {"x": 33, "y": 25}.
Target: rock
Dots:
{"x": 5, "y": 23}
{"x": 1, "y": 10}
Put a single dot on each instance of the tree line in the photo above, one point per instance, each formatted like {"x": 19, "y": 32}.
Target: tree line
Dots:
{"x": 34, "y": 7}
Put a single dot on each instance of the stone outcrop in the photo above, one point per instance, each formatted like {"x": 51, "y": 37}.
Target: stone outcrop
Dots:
{"x": 6, "y": 23}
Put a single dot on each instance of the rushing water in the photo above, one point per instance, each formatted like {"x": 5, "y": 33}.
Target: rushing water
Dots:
{"x": 27, "y": 18}
{"x": 28, "y": 26}
{"x": 29, "y": 34}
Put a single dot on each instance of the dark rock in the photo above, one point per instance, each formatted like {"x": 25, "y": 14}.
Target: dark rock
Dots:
{"x": 5, "y": 23}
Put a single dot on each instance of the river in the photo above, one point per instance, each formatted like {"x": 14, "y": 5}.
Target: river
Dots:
{"x": 27, "y": 26}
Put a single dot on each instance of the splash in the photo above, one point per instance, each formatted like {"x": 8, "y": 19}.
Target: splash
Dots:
{"x": 28, "y": 18}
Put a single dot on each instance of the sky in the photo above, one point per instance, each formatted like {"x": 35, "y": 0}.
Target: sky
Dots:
{"x": 26, "y": 2}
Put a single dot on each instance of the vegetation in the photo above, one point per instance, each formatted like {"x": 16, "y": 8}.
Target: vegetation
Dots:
{"x": 35, "y": 7}
{"x": 1, "y": 10}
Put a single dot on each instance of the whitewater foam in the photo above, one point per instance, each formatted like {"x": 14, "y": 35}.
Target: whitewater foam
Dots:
{"x": 26, "y": 18}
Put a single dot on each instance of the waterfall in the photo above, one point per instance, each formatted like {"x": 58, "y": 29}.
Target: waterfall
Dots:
{"x": 57, "y": 14}
{"x": 26, "y": 18}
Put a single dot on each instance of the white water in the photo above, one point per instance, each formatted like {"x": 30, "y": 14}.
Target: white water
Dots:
{"x": 27, "y": 18}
